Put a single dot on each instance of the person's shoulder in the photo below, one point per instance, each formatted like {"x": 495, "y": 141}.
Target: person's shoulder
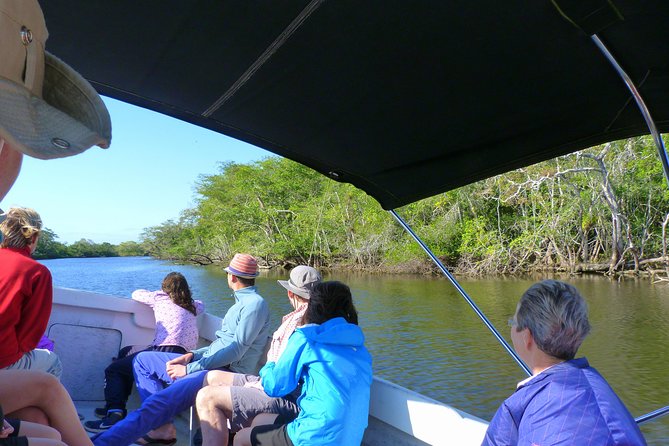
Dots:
{"x": 38, "y": 270}
{"x": 562, "y": 383}
{"x": 600, "y": 387}
{"x": 302, "y": 334}
{"x": 37, "y": 266}
{"x": 253, "y": 297}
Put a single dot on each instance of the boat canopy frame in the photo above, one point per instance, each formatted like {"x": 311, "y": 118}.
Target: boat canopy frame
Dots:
{"x": 404, "y": 100}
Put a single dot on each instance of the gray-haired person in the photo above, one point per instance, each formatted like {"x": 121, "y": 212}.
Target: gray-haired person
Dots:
{"x": 565, "y": 401}
{"x": 236, "y": 398}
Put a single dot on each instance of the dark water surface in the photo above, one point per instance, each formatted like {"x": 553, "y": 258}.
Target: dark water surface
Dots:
{"x": 424, "y": 336}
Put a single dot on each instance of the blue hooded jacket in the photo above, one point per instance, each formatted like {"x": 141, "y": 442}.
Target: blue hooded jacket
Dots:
{"x": 567, "y": 404}
{"x": 337, "y": 372}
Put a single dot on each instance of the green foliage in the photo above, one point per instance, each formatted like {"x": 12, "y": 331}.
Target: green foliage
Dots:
{"x": 605, "y": 204}
{"x": 48, "y": 247}
{"x": 88, "y": 248}
{"x": 129, "y": 249}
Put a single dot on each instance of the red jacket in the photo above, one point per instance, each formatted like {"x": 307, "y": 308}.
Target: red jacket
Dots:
{"x": 26, "y": 296}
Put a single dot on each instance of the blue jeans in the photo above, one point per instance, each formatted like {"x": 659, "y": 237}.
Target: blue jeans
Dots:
{"x": 119, "y": 375}
{"x": 150, "y": 372}
{"x": 157, "y": 409}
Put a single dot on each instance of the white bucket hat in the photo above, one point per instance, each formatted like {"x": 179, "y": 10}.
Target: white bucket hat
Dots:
{"x": 47, "y": 110}
{"x": 301, "y": 281}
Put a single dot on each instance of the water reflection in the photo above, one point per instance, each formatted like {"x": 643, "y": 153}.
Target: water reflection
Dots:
{"x": 424, "y": 336}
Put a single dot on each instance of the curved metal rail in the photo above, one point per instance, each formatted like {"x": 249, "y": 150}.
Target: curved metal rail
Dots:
{"x": 665, "y": 165}
{"x": 662, "y": 151}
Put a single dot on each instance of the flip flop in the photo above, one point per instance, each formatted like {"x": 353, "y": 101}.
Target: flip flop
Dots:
{"x": 148, "y": 441}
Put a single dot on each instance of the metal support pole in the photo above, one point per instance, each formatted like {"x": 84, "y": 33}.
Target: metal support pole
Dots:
{"x": 662, "y": 151}
{"x": 462, "y": 292}
{"x": 652, "y": 415}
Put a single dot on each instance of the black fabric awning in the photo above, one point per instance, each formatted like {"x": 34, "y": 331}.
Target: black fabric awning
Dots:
{"x": 403, "y": 99}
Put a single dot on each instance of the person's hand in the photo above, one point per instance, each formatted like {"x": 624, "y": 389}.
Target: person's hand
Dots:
{"x": 6, "y": 430}
{"x": 180, "y": 360}
{"x": 176, "y": 370}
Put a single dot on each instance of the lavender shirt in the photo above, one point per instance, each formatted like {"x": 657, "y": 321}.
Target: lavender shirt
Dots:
{"x": 174, "y": 325}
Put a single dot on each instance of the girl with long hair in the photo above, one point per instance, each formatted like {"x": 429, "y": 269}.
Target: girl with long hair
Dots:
{"x": 328, "y": 354}
{"x": 176, "y": 332}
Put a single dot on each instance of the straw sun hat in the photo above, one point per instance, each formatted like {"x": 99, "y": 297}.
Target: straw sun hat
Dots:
{"x": 47, "y": 110}
{"x": 243, "y": 265}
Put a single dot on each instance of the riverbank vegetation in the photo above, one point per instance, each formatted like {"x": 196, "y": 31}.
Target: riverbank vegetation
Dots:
{"x": 50, "y": 248}
{"x": 604, "y": 210}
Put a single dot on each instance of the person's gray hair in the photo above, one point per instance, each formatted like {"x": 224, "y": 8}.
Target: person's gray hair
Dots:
{"x": 557, "y": 316}
{"x": 19, "y": 227}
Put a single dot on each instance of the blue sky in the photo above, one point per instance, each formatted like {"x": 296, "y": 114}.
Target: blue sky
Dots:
{"x": 146, "y": 177}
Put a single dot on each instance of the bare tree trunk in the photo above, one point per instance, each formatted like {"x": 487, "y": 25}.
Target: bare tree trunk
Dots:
{"x": 664, "y": 243}
{"x": 617, "y": 217}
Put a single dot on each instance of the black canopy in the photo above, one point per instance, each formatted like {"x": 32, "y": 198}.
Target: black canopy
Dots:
{"x": 403, "y": 99}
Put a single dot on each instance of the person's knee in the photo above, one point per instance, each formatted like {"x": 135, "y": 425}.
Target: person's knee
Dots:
{"x": 140, "y": 359}
{"x": 243, "y": 437}
{"x": 218, "y": 378}
{"x": 205, "y": 398}
{"x": 47, "y": 382}
{"x": 40, "y": 431}
{"x": 140, "y": 365}
{"x": 52, "y": 391}
{"x": 215, "y": 398}
{"x": 52, "y": 434}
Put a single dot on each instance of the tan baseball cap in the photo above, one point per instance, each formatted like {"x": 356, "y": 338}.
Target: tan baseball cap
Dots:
{"x": 47, "y": 110}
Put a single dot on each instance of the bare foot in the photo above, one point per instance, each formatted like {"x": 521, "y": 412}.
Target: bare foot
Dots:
{"x": 162, "y": 435}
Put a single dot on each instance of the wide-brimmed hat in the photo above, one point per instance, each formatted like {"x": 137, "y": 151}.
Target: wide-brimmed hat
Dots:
{"x": 301, "y": 281}
{"x": 243, "y": 265}
{"x": 47, "y": 110}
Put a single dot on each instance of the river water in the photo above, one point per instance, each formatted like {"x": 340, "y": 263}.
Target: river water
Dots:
{"x": 424, "y": 336}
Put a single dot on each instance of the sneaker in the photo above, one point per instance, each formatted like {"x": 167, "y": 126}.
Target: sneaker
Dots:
{"x": 102, "y": 425}
{"x": 100, "y": 412}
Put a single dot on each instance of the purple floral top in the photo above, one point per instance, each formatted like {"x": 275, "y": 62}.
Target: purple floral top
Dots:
{"x": 174, "y": 325}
